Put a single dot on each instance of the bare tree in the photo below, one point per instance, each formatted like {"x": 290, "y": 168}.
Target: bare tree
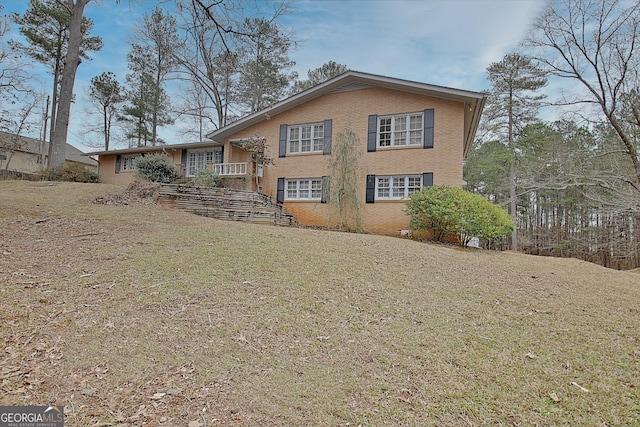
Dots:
{"x": 18, "y": 100}
{"x": 596, "y": 43}
{"x": 13, "y": 75}
{"x": 17, "y": 124}
{"x": 215, "y": 51}
{"x": 208, "y": 66}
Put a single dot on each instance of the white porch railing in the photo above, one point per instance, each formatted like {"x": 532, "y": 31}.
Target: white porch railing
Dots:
{"x": 227, "y": 169}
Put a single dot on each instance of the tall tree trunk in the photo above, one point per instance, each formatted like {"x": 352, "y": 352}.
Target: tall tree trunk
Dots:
{"x": 512, "y": 177}
{"x": 106, "y": 128}
{"x": 72, "y": 61}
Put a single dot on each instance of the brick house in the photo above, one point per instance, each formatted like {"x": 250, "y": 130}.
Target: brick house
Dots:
{"x": 28, "y": 156}
{"x": 410, "y": 135}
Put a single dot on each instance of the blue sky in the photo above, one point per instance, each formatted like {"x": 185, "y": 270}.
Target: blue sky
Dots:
{"x": 442, "y": 42}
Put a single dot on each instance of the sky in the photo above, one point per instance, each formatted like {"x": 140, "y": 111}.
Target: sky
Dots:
{"x": 442, "y": 42}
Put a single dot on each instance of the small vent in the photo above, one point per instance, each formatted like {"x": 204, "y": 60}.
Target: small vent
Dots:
{"x": 352, "y": 86}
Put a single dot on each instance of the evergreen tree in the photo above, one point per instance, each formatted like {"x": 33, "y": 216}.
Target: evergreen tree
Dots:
{"x": 158, "y": 38}
{"x": 106, "y": 94}
{"x": 57, "y": 33}
{"x": 264, "y": 65}
{"x": 319, "y": 75}
{"x": 512, "y": 104}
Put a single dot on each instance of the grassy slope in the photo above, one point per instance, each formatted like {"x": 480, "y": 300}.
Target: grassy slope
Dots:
{"x": 108, "y": 307}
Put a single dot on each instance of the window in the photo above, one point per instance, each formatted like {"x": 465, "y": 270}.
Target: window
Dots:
{"x": 304, "y": 189}
{"x": 198, "y": 160}
{"x": 397, "y": 187}
{"x": 129, "y": 163}
{"x": 214, "y": 157}
{"x": 305, "y": 138}
{"x": 400, "y": 130}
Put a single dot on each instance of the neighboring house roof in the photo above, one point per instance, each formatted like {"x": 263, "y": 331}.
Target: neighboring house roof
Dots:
{"x": 350, "y": 80}
{"x": 34, "y": 146}
{"x": 159, "y": 148}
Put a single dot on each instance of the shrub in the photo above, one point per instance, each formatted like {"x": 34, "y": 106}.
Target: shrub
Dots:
{"x": 156, "y": 168}
{"x": 69, "y": 172}
{"x": 206, "y": 178}
{"x": 447, "y": 211}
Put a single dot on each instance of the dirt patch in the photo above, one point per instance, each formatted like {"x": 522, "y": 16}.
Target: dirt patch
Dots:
{"x": 137, "y": 193}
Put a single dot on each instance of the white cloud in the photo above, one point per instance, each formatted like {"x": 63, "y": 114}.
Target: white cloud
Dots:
{"x": 442, "y": 42}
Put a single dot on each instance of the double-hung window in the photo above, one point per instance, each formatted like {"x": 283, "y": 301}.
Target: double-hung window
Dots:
{"x": 129, "y": 163}
{"x": 397, "y": 187}
{"x": 304, "y": 189}
{"x": 400, "y": 130}
{"x": 308, "y": 138}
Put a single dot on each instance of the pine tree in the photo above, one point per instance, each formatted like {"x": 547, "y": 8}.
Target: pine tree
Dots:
{"x": 512, "y": 104}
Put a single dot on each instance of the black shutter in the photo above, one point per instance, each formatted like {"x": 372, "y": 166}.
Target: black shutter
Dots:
{"x": 183, "y": 158}
{"x": 280, "y": 192}
{"x": 326, "y": 148}
{"x": 371, "y": 188}
{"x": 326, "y": 182}
{"x": 428, "y": 128}
{"x": 222, "y": 155}
{"x": 427, "y": 179}
{"x": 282, "y": 146}
{"x": 372, "y": 132}
{"x": 118, "y": 163}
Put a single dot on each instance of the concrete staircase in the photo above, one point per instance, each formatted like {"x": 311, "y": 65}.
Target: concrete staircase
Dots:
{"x": 224, "y": 203}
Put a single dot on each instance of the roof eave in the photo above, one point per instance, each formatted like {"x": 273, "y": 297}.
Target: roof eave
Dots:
{"x": 344, "y": 79}
{"x": 474, "y": 122}
{"x": 160, "y": 148}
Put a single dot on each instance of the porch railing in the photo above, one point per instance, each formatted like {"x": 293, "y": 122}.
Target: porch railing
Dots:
{"x": 227, "y": 169}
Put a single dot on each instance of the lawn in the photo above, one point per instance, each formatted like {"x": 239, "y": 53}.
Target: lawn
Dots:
{"x": 142, "y": 316}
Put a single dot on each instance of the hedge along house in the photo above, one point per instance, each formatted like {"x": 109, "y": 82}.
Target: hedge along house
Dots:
{"x": 409, "y": 135}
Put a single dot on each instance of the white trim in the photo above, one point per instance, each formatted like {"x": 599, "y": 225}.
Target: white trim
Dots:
{"x": 199, "y": 159}
{"x": 316, "y": 143}
{"x": 302, "y": 189}
{"x": 400, "y": 133}
{"x": 393, "y": 186}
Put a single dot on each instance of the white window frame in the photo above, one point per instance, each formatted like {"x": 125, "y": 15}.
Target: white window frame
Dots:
{"x": 309, "y": 138}
{"x": 128, "y": 163}
{"x": 199, "y": 159}
{"x": 397, "y": 187}
{"x": 400, "y": 130}
{"x": 303, "y": 189}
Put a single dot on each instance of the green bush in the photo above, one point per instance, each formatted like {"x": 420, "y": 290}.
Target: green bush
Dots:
{"x": 156, "y": 168}
{"x": 206, "y": 178}
{"x": 450, "y": 211}
{"x": 69, "y": 172}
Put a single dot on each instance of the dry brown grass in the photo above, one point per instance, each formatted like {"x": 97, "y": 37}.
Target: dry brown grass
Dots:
{"x": 139, "y": 316}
